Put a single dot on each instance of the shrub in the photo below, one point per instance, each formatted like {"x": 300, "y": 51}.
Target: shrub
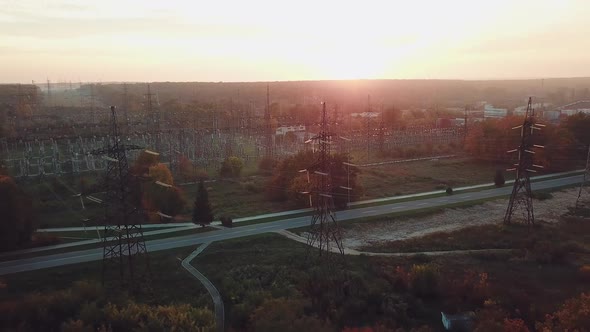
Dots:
{"x": 499, "y": 180}
{"x": 231, "y": 167}
{"x": 266, "y": 164}
{"x": 541, "y": 195}
{"x": 424, "y": 280}
{"x": 226, "y": 221}
{"x": 44, "y": 239}
{"x": 449, "y": 191}
{"x": 585, "y": 272}
{"x": 548, "y": 252}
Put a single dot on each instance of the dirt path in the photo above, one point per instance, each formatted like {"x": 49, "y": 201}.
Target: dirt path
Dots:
{"x": 490, "y": 212}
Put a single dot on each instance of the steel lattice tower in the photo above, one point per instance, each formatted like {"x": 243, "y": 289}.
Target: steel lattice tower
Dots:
{"x": 124, "y": 249}
{"x": 153, "y": 118}
{"x": 268, "y": 152}
{"x": 584, "y": 184}
{"x": 522, "y": 196}
{"x": 382, "y": 133}
{"x": 325, "y": 232}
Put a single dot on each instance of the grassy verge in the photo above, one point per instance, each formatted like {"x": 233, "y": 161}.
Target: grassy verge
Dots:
{"x": 574, "y": 235}
{"x": 170, "y": 282}
{"x": 265, "y": 220}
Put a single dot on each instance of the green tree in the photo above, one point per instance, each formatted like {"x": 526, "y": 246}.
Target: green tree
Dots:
{"x": 202, "y": 212}
{"x": 16, "y": 223}
{"x": 288, "y": 181}
{"x": 578, "y": 125}
{"x": 231, "y": 167}
{"x": 266, "y": 164}
{"x": 171, "y": 202}
{"x": 392, "y": 117}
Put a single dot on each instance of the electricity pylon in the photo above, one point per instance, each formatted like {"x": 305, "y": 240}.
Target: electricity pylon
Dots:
{"x": 325, "y": 234}
{"x": 124, "y": 249}
{"x": 522, "y": 196}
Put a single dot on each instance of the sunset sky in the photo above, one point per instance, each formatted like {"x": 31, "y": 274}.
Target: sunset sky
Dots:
{"x": 292, "y": 40}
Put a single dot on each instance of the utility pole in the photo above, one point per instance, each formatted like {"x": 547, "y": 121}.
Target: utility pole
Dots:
{"x": 268, "y": 153}
{"x": 92, "y": 104}
{"x": 465, "y": 124}
{"x": 48, "y": 92}
{"x": 124, "y": 250}
{"x": 325, "y": 233}
{"x": 126, "y": 106}
{"x": 368, "y": 126}
{"x": 382, "y": 133}
{"x": 153, "y": 119}
{"x": 20, "y": 109}
{"x": 522, "y": 195}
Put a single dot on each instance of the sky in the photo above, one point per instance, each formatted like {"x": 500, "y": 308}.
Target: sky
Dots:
{"x": 256, "y": 40}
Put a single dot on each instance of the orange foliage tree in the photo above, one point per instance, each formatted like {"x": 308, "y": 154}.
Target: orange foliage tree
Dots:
{"x": 574, "y": 315}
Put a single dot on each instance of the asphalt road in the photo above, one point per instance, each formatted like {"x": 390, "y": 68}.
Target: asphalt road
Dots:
{"x": 47, "y": 261}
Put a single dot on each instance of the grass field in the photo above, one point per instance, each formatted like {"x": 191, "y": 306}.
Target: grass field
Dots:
{"x": 171, "y": 282}
{"x": 422, "y": 176}
{"x": 246, "y": 196}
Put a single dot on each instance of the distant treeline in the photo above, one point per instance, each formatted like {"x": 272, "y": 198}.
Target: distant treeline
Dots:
{"x": 352, "y": 96}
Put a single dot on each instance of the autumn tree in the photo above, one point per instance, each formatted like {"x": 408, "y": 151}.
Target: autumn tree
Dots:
{"x": 573, "y": 315}
{"x": 16, "y": 225}
{"x": 161, "y": 197}
{"x": 285, "y": 315}
{"x": 202, "y": 212}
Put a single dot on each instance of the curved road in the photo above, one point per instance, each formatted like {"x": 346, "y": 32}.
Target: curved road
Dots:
{"x": 47, "y": 261}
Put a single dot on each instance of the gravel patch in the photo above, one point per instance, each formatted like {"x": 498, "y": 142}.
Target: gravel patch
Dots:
{"x": 492, "y": 212}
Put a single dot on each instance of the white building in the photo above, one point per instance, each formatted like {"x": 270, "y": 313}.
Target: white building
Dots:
{"x": 365, "y": 115}
{"x": 490, "y": 111}
{"x": 582, "y": 106}
{"x": 282, "y": 130}
{"x": 521, "y": 110}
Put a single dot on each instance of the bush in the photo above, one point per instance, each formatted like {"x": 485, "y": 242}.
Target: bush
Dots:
{"x": 226, "y": 221}
{"x": 267, "y": 164}
{"x": 548, "y": 252}
{"x": 541, "y": 195}
{"x": 423, "y": 280}
{"x": 251, "y": 187}
{"x": 231, "y": 167}
{"x": 449, "y": 191}
{"x": 44, "y": 239}
{"x": 499, "y": 180}
{"x": 585, "y": 272}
